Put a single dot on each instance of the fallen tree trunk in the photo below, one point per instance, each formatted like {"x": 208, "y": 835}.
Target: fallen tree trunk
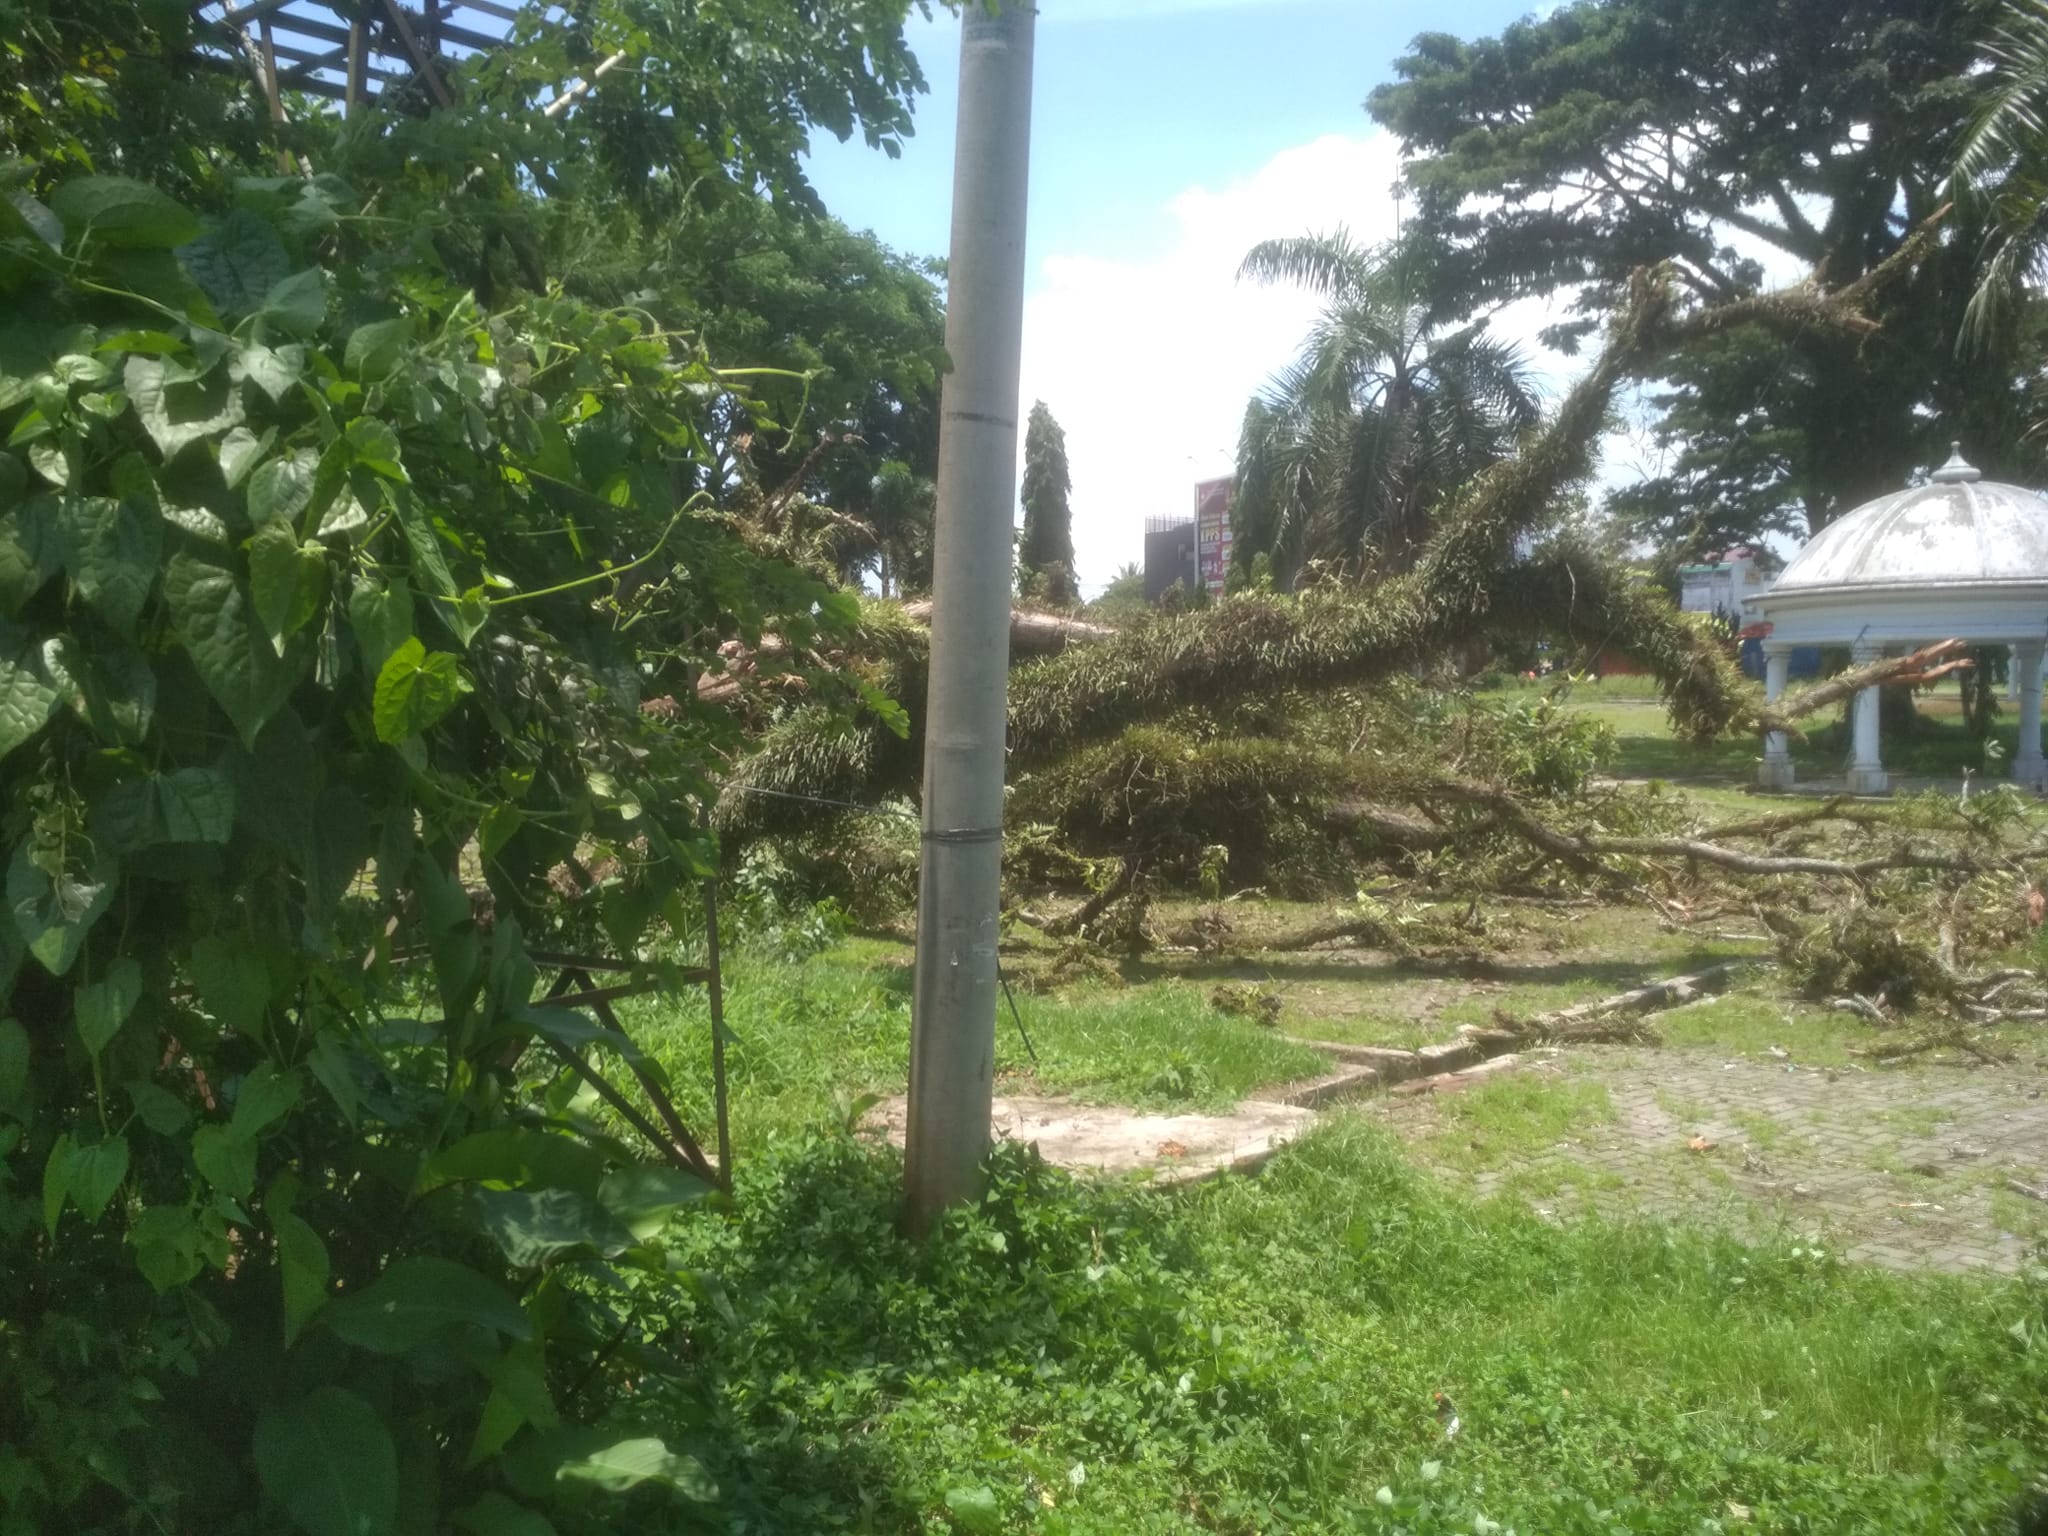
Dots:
{"x": 1031, "y": 635}
{"x": 1611, "y": 1020}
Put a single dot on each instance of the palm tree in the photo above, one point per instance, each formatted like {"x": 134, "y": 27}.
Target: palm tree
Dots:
{"x": 1347, "y": 454}
{"x": 900, "y": 506}
{"x": 2001, "y": 170}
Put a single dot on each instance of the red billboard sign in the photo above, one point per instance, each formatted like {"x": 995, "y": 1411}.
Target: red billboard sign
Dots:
{"x": 1212, "y": 533}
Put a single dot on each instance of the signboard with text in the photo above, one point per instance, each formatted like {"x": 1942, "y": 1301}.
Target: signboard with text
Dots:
{"x": 1212, "y": 533}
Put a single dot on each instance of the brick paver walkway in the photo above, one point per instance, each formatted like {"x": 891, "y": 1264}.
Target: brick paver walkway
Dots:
{"x": 1905, "y": 1168}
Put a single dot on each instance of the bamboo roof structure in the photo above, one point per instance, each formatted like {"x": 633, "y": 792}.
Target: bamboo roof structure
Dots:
{"x": 352, "y": 51}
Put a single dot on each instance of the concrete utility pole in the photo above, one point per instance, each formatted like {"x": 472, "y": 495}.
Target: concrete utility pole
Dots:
{"x": 953, "y": 1010}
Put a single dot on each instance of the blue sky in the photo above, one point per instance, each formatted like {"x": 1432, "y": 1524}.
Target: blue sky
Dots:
{"x": 1167, "y": 137}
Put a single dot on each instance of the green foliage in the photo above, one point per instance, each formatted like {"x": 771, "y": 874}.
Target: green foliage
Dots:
{"x": 1122, "y": 599}
{"x": 323, "y": 587}
{"x": 1608, "y": 135}
{"x": 1263, "y": 1355}
{"x": 1045, "y": 548}
{"x": 1348, "y": 455}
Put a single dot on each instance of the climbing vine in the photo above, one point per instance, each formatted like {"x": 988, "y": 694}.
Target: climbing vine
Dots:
{"x": 328, "y": 603}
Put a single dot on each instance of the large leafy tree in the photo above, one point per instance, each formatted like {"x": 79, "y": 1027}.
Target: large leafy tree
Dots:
{"x": 352, "y": 556}
{"x": 1388, "y": 411}
{"x": 1574, "y": 148}
{"x": 1045, "y": 548}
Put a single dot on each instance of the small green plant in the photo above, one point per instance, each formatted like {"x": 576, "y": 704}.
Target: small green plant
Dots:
{"x": 1181, "y": 1078}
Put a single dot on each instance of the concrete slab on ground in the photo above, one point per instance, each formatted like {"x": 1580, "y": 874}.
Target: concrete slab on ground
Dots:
{"x": 1110, "y": 1138}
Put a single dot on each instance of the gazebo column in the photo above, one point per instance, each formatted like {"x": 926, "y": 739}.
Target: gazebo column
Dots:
{"x": 1776, "y": 772}
{"x": 1866, "y": 768}
{"x": 2028, "y": 767}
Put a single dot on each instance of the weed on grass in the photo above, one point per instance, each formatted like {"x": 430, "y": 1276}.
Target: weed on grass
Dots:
{"x": 1264, "y": 1355}
{"x": 1514, "y": 1117}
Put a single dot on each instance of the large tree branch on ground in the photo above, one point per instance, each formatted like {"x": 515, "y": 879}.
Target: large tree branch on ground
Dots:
{"x": 1562, "y": 588}
{"x": 1511, "y": 814}
{"x": 1922, "y": 666}
{"x": 1031, "y": 634}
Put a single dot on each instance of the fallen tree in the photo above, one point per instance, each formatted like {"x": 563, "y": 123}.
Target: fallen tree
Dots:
{"x": 1471, "y": 580}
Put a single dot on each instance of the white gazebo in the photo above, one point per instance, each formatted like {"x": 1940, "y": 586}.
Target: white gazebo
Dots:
{"x": 1960, "y": 558}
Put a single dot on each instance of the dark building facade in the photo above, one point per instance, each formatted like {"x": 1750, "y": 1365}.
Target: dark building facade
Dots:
{"x": 1169, "y": 555}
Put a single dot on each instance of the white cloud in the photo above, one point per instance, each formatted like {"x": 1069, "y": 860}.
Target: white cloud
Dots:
{"x": 1147, "y": 364}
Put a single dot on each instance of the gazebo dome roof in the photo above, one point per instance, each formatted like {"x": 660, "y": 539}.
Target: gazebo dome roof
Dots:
{"x": 1959, "y": 530}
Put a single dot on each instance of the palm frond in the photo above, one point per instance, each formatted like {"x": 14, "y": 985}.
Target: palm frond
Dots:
{"x": 1332, "y": 264}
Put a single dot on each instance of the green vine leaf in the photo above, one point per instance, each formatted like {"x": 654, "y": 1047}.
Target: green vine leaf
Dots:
{"x": 233, "y": 984}
{"x": 111, "y": 549}
{"x": 196, "y": 805}
{"x": 241, "y": 451}
{"x": 121, "y": 212}
{"x": 629, "y": 1463}
{"x": 374, "y": 349}
{"x": 417, "y": 1298}
{"x": 52, "y": 916}
{"x": 29, "y": 693}
{"x": 30, "y": 550}
{"x": 114, "y": 693}
{"x": 103, "y": 1007}
{"x": 414, "y": 690}
{"x": 169, "y": 1247}
{"x": 420, "y": 538}
{"x": 376, "y": 448}
{"x": 84, "y": 1175}
{"x": 187, "y": 805}
{"x": 298, "y": 303}
{"x": 281, "y": 489}
{"x": 302, "y": 1262}
{"x": 275, "y": 371}
{"x": 211, "y": 614}
{"x": 532, "y": 1226}
{"x": 265, "y": 1095}
{"x": 179, "y": 412}
{"x": 286, "y": 581}
{"x": 227, "y": 1158}
{"x": 328, "y": 1462}
{"x": 162, "y": 1111}
{"x": 381, "y": 620}
{"x": 237, "y": 262}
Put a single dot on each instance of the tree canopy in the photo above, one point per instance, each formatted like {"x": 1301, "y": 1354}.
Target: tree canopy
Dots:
{"x": 358, "y": 533}
{"x": 1571, "y": 149}
{"x": 1045, "y": 548}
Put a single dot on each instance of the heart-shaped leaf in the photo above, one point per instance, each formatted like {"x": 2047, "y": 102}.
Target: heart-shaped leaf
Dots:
{"x": 328, "y": 1462}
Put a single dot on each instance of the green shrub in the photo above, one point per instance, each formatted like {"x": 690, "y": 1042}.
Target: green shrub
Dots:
{"x": 320, "y": 587}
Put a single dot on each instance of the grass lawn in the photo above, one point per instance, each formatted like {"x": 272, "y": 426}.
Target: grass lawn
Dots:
{"x": 1941, "y": 747}
{"x": 1264, "y": 1355}
{"x": 837, "y": 1026}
